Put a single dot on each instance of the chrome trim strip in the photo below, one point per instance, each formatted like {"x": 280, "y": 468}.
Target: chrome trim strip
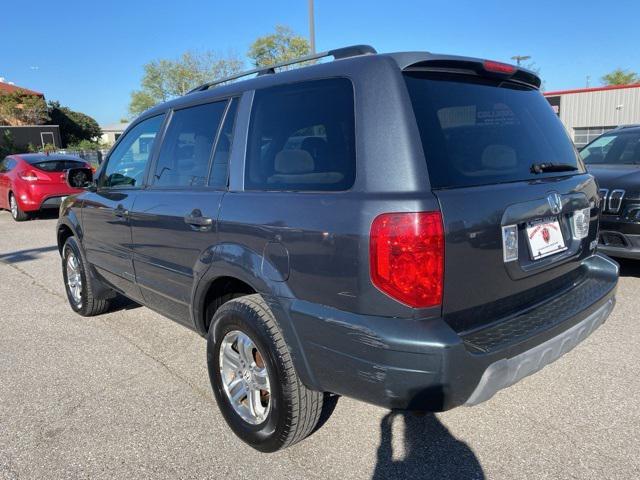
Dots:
{"x": 604, "y": 193}
{"x": 619, "y": 200}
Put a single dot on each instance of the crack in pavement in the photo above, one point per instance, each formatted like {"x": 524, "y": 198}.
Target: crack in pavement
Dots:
{"x": 131, "y": 342}
{"x": 206, "y": 395}
{"x": 34, "y": 280}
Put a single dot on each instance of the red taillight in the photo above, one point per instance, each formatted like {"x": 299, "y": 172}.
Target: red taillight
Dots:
{"x": 497, "y": 67}
{"x": 407, "y": 257}
{"x": 29, "y": 176}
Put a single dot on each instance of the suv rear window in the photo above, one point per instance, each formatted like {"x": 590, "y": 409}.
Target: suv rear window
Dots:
{"x": 476, "y": 132}
{"x": 302, "y": 137}
{"x": 59, "y": 165}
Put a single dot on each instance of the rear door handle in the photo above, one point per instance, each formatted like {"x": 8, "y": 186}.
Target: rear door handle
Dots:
{"x": 121, "y": 212}
{"x": 196, "y": 219}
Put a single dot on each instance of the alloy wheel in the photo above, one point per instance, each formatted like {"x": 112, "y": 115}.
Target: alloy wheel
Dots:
{"x": 14, "y": 206}
{"x": 245, "y": 378}
{"x": 74, "y": 278}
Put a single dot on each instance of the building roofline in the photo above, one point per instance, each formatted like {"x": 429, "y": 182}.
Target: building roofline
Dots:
{"x": 30, "y": 126}
{"x": 11, "y": 88}
{"x": 592, "y": 89}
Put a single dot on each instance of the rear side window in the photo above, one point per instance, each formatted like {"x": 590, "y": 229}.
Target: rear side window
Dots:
{"x": 477, "y": 132}
{"x": 58, "y": 165}
{"x": 186, "y": 149}
{"x": 302, "y": 137}
{"x": 7, "y": 165}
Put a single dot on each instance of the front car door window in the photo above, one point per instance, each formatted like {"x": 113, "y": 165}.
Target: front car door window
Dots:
{"x": 127, "y": 163}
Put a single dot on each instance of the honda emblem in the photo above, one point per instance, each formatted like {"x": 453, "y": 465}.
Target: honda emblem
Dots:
{"x": 555, "y": 202}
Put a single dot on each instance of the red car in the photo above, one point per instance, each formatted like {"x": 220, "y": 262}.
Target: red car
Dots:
{"x": 33, "y": 181}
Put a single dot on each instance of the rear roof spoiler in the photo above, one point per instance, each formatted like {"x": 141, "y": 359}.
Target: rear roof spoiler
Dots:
{"x": 481, "y": 68}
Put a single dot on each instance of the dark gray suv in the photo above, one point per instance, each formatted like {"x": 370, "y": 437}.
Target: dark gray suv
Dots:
{"x": 413, "y": 230}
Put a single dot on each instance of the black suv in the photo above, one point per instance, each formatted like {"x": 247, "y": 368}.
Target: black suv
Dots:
{"x": 413, "y": 230}
{"x": 614, "y": 159}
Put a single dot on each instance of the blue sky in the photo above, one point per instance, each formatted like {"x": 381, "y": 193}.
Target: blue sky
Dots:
{"x": 89, "y": 55}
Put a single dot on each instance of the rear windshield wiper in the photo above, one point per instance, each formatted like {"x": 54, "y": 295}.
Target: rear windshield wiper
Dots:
{"x": 552, "y": 167}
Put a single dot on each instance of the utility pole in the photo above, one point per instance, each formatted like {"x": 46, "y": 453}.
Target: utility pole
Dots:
{"x": 520, "y": 58}
{"x": 312, "y": 28}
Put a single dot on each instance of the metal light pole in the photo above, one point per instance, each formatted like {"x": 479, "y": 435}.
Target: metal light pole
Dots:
{"x": 312, "y": 28}
{"x": 520, "y": 58}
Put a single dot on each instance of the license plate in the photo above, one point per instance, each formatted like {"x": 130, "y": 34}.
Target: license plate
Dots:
{"x": 545, "y": 238}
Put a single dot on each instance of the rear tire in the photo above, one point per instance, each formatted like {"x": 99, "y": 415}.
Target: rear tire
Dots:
{"x": 78, "y": 285}
{"x": 293, "y": 411}
{"x": 16, "y": 212}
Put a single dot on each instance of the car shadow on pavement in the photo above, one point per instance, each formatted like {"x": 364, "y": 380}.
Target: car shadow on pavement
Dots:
{"x": 120, "y": 302}
{"x": 629, "y": 268}
{"x": 25, "y": 255}
{"x": 431, "y": 452}
{"x": 49, "y": 214}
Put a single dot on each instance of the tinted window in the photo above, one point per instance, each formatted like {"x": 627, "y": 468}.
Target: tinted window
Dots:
{"x": 10, "y": 164}
{"x": 186, "y": 149}
{"x": 220, "y": 167}
{"x": 58, "y": 165}
{"x": 475, "y": 132}
{"x": 127, "y": 162}
{"x": 302, "y": 137}
{"x": 621, "y": 148}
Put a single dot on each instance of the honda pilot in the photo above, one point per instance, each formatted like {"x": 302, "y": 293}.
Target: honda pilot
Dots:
{"x": 411, "y": 230}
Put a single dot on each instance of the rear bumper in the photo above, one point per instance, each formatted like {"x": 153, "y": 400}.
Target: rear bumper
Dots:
{"x": 425, "y": 365}
{"x": 36, "y": 197}
{"x": 508, "y": 371}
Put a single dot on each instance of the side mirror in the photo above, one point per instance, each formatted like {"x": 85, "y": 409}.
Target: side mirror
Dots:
{"x": 80, "y": 178}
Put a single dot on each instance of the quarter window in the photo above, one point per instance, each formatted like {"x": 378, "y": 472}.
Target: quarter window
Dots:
{"x": 220, "y": 167}
{"x": 127, "y": 162}
{"x": 186, "y": 150}
{"x": 302, "y": 137}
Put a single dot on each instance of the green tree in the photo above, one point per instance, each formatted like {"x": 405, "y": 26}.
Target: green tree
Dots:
{"x": 7, "y": 145}
{"x": 17, "y": 109}
{"x": 166, "y": 79}
{"x": 620, "y": 77}
{"x": 74, "y": 126}
{"x": 282, "y": 45}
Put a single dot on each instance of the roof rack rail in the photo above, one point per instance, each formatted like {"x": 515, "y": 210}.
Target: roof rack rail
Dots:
{"x": 337, "y": 54}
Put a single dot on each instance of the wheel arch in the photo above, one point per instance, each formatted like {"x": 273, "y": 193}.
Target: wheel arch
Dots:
{"x": 244, "y": 268}
{"x": 67, "y": 228}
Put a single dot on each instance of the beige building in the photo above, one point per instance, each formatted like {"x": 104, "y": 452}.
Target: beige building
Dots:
{"x": 589, "y": 112}
{"x": 111, "y": 133}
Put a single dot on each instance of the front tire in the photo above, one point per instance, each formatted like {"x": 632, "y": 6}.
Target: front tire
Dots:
{"x": 78, "y": 284}
{"x": 245, "y": 349}
{"x": 16, "y": 212}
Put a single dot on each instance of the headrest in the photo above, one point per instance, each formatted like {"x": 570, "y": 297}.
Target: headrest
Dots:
{"x": 316, "y": 146}
{"x": 497, "y": 157}
{"x": 294, "y": 161}
{"x": 223, "y": 143}
{"x": 202, "y": 147}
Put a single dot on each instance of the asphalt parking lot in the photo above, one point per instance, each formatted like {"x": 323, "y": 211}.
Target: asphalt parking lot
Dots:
{"x": 126, "y": 395}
